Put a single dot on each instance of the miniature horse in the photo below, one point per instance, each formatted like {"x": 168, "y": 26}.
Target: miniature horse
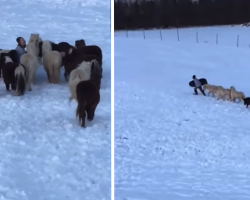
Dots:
{"x": 11, "y": 54}
{"x": 13, "y": 74}
{"x": 89, "y": 49}
{"x": 88, "y": 97}
{"x": 73, "y": 58}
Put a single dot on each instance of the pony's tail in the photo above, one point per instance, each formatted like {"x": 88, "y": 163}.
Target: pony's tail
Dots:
{"x": 20, "y": 80}
{"x": 80, "y": 112}
{"x": 97, "y": 65}
{"x": 72, "y": 85}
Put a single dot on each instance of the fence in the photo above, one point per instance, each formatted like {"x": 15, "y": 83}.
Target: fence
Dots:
{"x": 196, "y": 36}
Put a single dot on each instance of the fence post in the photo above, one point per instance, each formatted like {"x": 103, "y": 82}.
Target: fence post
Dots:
{"x": 197, "y": 37}
{"x": 178, "y": 37}
{"x": 160, "y": 34}
{"x": 144, "y": 34}
{"x": 238, "y": 37}
{"x": 177, "y": 28}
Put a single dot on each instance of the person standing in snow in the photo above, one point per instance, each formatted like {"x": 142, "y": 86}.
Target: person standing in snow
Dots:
{"x": 197, "y": 86}
{"x": 21, "y": 45}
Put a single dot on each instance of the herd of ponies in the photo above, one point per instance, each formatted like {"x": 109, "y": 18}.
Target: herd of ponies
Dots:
{"x": 82, "y": 70}
{"x": 230, "y": 94}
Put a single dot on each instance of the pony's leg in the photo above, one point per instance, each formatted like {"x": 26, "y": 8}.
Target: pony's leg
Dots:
{"x": 28, "y": 85}
{"x": 81, "y": 112}
{"x": 13, "y": 86}
{"x": 66, "y": 77}
{"x": 91, "y": 112}
{"x": 7, "y": 85}
{"x": 57, "y": 75}
{"x": 48, "y": 77}
{"x": 34, "y": 78}
{"x": 51, "y": 75}
{"x": 47, "y": 72}
{"x": 83, "y": 116}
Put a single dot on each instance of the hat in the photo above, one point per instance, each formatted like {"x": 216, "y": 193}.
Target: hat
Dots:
{"x": 18, "y": 39}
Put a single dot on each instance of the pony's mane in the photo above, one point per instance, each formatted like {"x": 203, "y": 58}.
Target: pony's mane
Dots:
{"x": 8, "y": 59}
{"x": 46, "y": 47}
{"x": 232, "y": 87}
{"x": 85, "y": 66}
{"x": 76, "y": 74}
{"x": 31, "y": 46}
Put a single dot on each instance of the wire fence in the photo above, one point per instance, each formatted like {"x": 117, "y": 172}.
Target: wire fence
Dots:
{"x": 195, "y": 36}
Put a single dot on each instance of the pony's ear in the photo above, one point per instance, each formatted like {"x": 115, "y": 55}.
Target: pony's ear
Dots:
{"x": 82, "y": 40}
{"x": 62, "y": 54}
{"x": 70, "y": 51}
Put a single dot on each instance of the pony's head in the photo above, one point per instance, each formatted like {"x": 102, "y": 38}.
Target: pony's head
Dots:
{"x": 232, "y": 88}
{"x": 34, "y": 39}
{"x": 80, "y": 43}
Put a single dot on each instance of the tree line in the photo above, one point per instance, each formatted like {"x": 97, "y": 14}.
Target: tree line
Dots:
{"x": 146, "y": 14}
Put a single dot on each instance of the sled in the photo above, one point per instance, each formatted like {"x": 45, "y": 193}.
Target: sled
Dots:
{"x": 202, "y": 80}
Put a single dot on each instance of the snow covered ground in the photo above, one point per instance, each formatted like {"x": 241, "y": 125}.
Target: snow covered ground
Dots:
{"x": 44, "y": 153}
{"x": 169, "y": 143}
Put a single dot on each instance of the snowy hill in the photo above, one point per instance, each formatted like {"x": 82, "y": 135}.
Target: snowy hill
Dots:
{"x": 169, "y": 143}
{"x": 44, "y": 153}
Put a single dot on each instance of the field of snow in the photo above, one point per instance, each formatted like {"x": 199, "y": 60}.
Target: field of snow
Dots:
{"x": 44, "y": 153}
{"x": 169, "y": 143}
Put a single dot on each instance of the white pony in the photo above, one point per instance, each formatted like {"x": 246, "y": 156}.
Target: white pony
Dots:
{"x": 30, "y": 60}
{"x": 52, "y": 62}
{"x": 81, "y": 73}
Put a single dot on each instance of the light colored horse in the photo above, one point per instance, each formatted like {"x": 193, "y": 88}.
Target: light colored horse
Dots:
{"x": 236, "y": 94}
{"x": 52, "y": 62}
{"x": 30, "y": 60}
{"x": 81, "y": 73}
